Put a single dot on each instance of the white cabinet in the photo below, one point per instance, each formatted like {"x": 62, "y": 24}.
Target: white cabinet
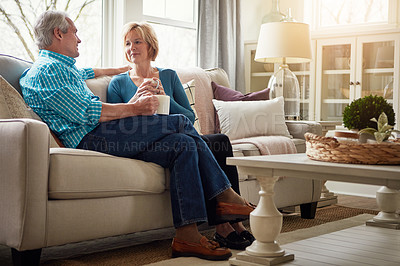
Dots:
{"x": 343, "y": 69}
{"x": 354, "y": 67}
{"x": 257, "y": 76}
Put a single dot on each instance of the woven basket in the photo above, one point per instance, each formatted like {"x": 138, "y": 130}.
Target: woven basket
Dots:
{"x": 331, "y": 150}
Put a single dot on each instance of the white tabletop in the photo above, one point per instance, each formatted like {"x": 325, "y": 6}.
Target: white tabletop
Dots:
{"x": 299, "y": 165}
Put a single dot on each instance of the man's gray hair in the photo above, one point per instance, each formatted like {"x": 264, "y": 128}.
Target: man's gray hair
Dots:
{"x": 45, "y": 25}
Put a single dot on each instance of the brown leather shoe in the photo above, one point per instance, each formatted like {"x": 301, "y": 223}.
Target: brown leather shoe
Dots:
{"x": 231, "y": 212}
{"x": 206, "y": 249}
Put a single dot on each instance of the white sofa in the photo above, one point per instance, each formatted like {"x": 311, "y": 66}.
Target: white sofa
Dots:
{"x": 52, "y": 196}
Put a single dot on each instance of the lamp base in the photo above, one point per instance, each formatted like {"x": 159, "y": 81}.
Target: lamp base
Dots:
{"x": 284, "y": 83}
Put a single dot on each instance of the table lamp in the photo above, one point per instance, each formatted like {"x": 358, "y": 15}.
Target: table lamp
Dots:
{"x": 284, "y": 43}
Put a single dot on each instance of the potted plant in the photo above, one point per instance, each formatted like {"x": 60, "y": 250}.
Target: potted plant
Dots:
{"x": 384, "y": 130}
{"x": 359, "y": 113}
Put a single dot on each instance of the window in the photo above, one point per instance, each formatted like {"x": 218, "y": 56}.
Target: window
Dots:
{"x": 350, "y": 12}
{"x": 175, "y": 23}
{"x": 18, "y": 17}
{"x": 344, "y": 13}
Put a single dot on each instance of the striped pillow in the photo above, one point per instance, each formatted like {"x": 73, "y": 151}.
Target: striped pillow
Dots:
{"x": 190, "y": 89}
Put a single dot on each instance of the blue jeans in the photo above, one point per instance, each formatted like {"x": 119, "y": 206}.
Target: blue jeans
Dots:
{"x": 171, "y": 142}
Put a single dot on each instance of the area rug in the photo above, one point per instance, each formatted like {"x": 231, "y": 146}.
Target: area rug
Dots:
{"x": 119, "y": 250}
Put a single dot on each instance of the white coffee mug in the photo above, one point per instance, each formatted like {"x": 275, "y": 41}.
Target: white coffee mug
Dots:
{"x": 163, "y": 108}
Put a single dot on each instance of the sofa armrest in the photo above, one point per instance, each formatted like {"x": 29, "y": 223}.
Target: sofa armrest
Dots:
{"x": 298, "y": 128}
{"x": 24, "y": 166}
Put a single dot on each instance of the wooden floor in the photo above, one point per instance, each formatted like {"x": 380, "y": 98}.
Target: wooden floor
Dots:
{"x": 360, "y": 245}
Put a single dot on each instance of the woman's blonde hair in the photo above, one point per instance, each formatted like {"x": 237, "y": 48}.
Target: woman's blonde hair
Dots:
{"x": 146, "y": 32}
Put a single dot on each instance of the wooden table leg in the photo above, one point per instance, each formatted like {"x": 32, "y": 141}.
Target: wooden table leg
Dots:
{"x": 266, "y": 225}
{"x": 388, "y": 201}
{"x": 327, "y": 198}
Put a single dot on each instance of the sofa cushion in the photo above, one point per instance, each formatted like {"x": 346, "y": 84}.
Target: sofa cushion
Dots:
{"x": 300, "y": 145}
{"x": 256, "y": 118}
{"x": 219, "y": 76}
{"x": 12, "y": 105}
{"x": 99, "y": 175}
{"x": 99, "y": 86}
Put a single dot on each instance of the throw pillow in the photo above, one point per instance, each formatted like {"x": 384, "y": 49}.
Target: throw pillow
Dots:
{"x": 243, "y": 119}
{"x": 12, "y": 105}
{"x": 190, "y": 89}
{"x": 227, "y": 94}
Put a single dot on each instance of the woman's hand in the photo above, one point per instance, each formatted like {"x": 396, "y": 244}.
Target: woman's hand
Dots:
{"x": 161, "y": 89}
{"x": 145, "y": 89}
{"x": 153, "y": 86}
{"x": 144, "y": 99}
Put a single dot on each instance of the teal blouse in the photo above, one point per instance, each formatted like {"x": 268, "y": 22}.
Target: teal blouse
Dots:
{"x": 121, "y": 89}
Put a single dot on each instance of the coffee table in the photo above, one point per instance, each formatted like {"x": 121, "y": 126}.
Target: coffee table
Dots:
{"x": 266, "y": 220}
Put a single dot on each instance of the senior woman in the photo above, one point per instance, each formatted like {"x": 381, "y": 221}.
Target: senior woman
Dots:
{"x": 141, "y": 47}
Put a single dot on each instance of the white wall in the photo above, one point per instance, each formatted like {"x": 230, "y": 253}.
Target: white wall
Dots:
{"x": 254, "y": 10}
{"x": 251, "y": 14}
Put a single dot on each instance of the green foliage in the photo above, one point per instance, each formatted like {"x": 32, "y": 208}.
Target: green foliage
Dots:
{"x": 359, "y": 113}
{"x": 384, "y": 130}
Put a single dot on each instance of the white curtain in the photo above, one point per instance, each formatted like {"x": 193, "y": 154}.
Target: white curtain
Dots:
{"x": 220, "y": 41}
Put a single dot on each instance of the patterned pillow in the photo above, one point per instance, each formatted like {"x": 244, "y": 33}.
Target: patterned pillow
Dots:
{"x": 12, "y": 105}
{"x": 190, "y": 89}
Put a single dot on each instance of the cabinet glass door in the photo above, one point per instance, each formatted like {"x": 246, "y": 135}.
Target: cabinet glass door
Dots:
{"x": 260, "y": 74}
{"x": 377, "y": 70}
{"x": 336, "y": 90}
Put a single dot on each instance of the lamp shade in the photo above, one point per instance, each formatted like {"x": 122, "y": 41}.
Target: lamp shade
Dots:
{"x": 284, "y": 41}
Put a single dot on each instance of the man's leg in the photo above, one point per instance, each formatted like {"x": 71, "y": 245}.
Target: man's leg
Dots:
{"x": 177, "y": 152}
{"x": 172, "y": 142}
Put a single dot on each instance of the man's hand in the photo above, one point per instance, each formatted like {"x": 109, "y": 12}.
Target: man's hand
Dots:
{"x": 144, "y": 104}
{"x": 123, "y": 69}
{"x": 111, "y": 71}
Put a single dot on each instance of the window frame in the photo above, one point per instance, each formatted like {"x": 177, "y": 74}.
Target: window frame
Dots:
{"x": 313, "y": 17}
{"x": 118, "y": 13}
{"x": 176, "y": 23}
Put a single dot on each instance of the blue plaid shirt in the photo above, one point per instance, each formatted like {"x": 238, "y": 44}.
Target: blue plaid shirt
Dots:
{"x": 56, "y": 90}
